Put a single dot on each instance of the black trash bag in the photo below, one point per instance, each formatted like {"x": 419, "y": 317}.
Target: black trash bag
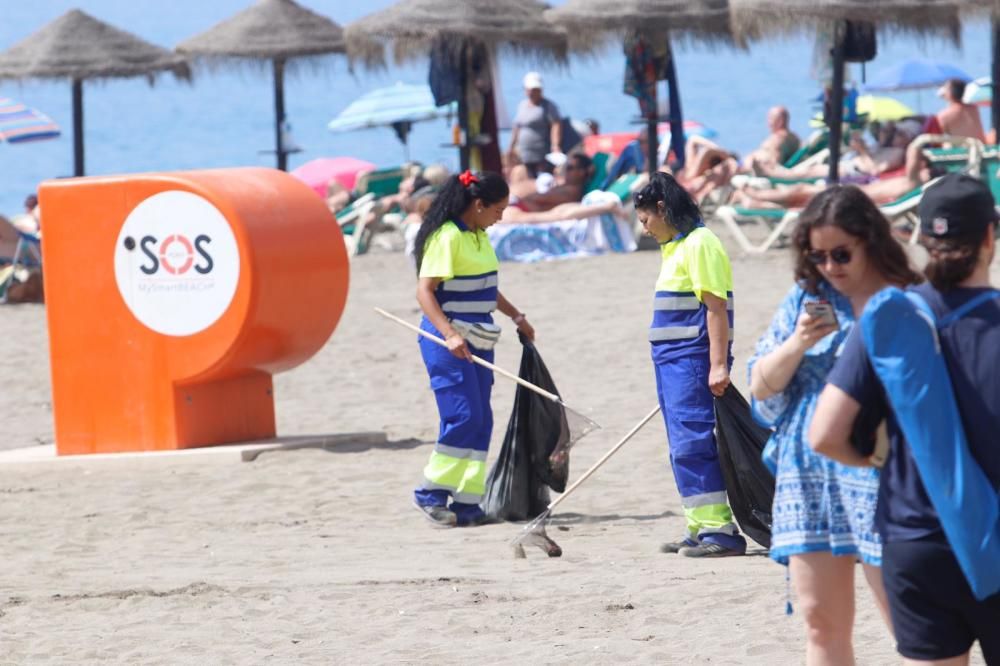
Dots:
{"x": 749, "y": 482}
{"x": 535, "y": 453}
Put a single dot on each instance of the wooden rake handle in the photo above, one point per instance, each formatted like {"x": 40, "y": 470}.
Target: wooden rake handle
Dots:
{"x": 475, "y": 359}
{"x": 604, "y": 459}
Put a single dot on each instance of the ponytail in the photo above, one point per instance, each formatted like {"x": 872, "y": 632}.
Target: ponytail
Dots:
{"x": 455, "y": 197}
{"x": 952, "y": 260}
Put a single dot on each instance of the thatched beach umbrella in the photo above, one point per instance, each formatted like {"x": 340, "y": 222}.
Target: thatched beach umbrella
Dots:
{"x": 655, "y": 21}
{"x": 274, "y": 31}
{"x": 754, "y": 19}
{"x": 414, "y": 27}
{"x": 76, "y": 46}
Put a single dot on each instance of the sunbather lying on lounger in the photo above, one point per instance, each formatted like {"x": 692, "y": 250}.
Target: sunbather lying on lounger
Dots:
{"x": 862, "y": 164}
{"x": 707, "y": 166}
{"x": 571, "y": 181}
{"x": 918, "y": 172}
{"x": 563, "y": 212}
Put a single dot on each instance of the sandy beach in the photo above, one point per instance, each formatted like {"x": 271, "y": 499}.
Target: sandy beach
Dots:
{"x": 317, "y": 556}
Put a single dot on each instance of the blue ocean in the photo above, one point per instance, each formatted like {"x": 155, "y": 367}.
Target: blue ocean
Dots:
{"x": 224, "y": 117}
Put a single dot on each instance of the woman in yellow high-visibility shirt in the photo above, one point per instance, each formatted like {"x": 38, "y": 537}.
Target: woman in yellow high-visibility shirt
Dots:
{"x": 691, "y": 339}
{"x": 458, "y": 292}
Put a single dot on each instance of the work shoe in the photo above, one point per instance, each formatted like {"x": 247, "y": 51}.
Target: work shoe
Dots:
{"x": 469, "y": 515}
{"x": 438, "y": 515}
{"x": 675, "y": 546}
{"x": 706, "y": 549}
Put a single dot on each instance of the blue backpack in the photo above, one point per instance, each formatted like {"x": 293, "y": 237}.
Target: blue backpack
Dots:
{"x": 900, "y": 333}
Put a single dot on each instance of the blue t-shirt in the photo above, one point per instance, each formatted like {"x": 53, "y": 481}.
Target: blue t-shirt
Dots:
{"x": 971, "y": 349}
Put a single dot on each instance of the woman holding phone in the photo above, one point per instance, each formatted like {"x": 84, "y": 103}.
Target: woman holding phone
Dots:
{"x": 823, "y": 513}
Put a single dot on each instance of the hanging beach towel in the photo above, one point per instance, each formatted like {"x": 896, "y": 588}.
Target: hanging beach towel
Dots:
{"x": 749, "y": 484}
{"x": 900, "y": 332}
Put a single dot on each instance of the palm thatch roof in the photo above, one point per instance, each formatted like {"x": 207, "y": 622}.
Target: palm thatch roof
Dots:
{"x": 587, "y": 21}
{"x": 413, "y": 25}
{"x": 78, "y": 46}
{"x": 981, "y": 7}
{"x": 268, "y": 30}
{"x": 761, "y": 18}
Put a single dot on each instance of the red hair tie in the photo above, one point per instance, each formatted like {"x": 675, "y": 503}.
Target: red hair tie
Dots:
{"x": 467, "y": 178}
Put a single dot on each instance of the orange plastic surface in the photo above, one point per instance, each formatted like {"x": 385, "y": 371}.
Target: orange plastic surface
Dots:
{"x": 118, "y": 384}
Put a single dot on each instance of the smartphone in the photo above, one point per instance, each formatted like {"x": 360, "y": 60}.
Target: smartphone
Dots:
{"x": 823, "y": 310}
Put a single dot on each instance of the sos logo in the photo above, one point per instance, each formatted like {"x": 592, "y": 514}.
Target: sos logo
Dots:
{"x": 175, "y": 255}
{"x": 177, "y": 263}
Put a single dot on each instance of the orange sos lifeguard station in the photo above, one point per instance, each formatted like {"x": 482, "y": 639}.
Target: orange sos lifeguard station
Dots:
{"x": 172, "y": 298}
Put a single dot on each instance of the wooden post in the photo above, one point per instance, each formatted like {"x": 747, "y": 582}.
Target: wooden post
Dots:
{"x": 279, "y": 113}
{"x": 677, "y": 140}
{"x": 836, "y": 119}
{"x": 463, "y": 108}
{"x": 78, "y": 169}
{"x": 995, "y": 103}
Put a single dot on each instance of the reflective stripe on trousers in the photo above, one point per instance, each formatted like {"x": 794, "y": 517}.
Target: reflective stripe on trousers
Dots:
{"x": 689, "y": 416}
{"x": 462, "y": 392}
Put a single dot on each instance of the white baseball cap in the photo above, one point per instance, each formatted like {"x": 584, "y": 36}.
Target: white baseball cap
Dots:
{"x": 532, "y": 80}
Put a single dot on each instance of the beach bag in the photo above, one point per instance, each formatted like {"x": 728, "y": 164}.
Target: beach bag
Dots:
{"x": 534, "y": 457}
{"x": 749, "y": 483}
{"x": 860, "y": 42}
{"x": 900, "y": 333}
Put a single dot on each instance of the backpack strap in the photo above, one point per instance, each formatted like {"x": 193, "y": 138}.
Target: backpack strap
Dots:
{"x": 967, "y": 307}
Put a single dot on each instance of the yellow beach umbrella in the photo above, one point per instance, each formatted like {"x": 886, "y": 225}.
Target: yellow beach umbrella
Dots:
{"x": 883, "y": 109}
{"x": 874, "y": 108}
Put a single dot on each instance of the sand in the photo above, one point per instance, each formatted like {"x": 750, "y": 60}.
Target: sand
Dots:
{"x": 317, "y": 556}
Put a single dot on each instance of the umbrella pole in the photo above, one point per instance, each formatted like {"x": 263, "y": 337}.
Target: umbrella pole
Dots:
{"x": 653, "y": 141}
{"x": 279, "y": 112}
{"x": 677, "y": 139}
{"x": 836, "y": 119}
{"x": 463, "y": 109}
{"x": 995, "y": 103}
{"x": 78, "y": 128}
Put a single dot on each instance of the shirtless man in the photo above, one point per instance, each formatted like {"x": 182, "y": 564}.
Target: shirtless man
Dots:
{"x": 780, "y": 144}
{"x": 958, "y": 118}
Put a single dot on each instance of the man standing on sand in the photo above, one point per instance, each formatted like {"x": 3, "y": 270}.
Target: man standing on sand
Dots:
{"x": 537, "y": 130}
{"x": 959, "y": 118}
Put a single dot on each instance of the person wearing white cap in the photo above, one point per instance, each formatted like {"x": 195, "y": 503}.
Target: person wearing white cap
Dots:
{"x": 537, "y": 130}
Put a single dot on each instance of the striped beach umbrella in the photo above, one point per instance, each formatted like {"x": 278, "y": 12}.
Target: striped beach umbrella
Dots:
{"x": 397, "y": 106}
{"x": 20, "y": 123}
{"x": 979, "y": 92}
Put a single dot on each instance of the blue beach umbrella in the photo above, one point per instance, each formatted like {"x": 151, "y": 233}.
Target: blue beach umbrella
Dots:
{"x": 913, "y": 75}
{"x": 397, "y": 106}
{"x": 21, "y": 124}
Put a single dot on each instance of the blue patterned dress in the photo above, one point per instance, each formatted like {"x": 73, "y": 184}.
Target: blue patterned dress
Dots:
{"x": 819, "y": 505}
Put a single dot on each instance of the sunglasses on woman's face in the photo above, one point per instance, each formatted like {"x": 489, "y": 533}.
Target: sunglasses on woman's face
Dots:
{"x": 839, "y": 255}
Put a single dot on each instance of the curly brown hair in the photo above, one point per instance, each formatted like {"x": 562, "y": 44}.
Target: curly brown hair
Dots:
{"x": 850, "y": 210}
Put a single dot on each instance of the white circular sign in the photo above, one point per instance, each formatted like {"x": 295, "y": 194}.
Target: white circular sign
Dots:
{"x": 177, "y": 263}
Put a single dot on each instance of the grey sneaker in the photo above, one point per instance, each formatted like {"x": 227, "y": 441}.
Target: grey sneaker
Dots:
{"x": 438, "y": 515}
{"x": 675, "y": 546}
{"x": 709, "y": 550}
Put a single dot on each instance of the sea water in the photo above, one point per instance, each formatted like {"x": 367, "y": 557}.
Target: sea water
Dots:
{"x": 225, "y": 117}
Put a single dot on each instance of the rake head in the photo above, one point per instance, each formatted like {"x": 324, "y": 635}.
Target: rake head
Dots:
{"x": 534, "y": 534}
